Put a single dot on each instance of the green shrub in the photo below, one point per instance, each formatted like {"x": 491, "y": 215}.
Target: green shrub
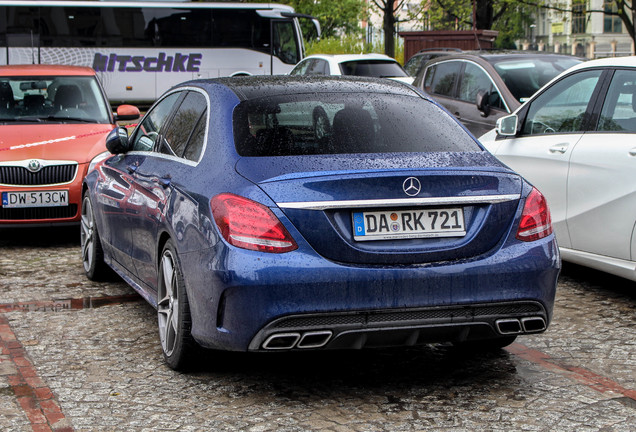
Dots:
{"x": 349, "y": 45}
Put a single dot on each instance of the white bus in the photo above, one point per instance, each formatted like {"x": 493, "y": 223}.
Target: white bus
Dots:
{"x": 140, "y": 49}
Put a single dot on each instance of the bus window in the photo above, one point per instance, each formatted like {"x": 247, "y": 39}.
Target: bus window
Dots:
{"x": 127, "y": 27}
{"x": 179, "y": 27}
{"x": 69, "y": 26}
{"x": 285, "y": 46}
{"x": 240, "y": 29}
{"x": 18, "y": 27}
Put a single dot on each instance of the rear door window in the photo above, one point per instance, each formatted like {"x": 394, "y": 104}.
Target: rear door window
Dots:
{"x": 319, "y": 67}
{"x": 196, "y": 142}
{"x": 178, "y": 134}
{"x": 302, "y": 67}
{"x": 441, "y": 78}
{"x": 619, "y": 109}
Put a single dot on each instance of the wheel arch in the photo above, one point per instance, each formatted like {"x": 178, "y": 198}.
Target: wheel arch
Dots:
{"x": 161, "y": 243}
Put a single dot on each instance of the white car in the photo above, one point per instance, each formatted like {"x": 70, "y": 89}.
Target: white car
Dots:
{"x": 368, "y": 65}
{"x": 575, "y": 140}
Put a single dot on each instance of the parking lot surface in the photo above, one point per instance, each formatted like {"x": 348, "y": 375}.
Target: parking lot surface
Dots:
{"x": 76, "y": 355}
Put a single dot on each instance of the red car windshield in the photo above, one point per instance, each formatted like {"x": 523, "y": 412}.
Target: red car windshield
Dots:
{"x": 65, "y": 99}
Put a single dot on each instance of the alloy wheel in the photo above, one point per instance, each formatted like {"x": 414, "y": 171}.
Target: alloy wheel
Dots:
{"x": 168, "y": 304}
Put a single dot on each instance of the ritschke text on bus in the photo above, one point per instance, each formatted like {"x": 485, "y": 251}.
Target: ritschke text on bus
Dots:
{"x": 162, "y": 63}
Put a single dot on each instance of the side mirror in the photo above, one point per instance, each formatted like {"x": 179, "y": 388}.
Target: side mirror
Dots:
{"x": 481, "y": 100}
{"x": 117, "y": 141}
{"x": 127, "y": 112}
{"x": 507, "y": 126}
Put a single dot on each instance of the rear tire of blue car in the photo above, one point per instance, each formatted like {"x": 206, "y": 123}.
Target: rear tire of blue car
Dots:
{"x": 92, "y": 253}
{"x": 173, "y": 312}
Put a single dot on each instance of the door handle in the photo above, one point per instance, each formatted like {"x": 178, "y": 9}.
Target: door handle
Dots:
{"x": 632, "y": 152}
{"x": 559, "y": 148}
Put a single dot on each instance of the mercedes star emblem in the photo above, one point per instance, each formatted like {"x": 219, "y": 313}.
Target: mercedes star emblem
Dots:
{"x": 411, "y": 186}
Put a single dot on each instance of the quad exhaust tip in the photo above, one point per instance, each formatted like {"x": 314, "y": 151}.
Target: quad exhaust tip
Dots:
{"x": 314, "y": 339}
{"x": 519, "y": 326}
{"x": 508, "y": 326}
{"x": 533, "y": 324}
{"x": 281, "y": 341}
{"x": 306, "y": 340}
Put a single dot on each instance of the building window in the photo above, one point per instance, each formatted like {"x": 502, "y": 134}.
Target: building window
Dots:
{"x": 578, "y": 18}
{"x": 612, "y": 22}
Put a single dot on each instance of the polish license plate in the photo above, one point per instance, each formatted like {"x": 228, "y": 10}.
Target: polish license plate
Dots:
{"x": 55, "y": 198}
{"x": 406, "y": 224}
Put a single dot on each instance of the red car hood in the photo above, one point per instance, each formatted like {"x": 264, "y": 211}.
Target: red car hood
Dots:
{"x": 77, "y": 142}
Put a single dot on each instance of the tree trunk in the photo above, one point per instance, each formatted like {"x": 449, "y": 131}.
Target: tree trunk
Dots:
{"x": 630, "y": 28}
{"x": 484, "y": 14}
{"x": 388, "y": 25}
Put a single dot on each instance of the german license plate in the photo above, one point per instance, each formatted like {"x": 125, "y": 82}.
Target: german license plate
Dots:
{"x": 56, "y": 198}
{"x": 405, "y": 224}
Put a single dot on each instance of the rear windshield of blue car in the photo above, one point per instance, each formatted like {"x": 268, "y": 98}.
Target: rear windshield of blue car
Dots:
{"x": 338, "y": 123}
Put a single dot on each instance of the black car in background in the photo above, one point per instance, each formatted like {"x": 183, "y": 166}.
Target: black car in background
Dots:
{"x": 480, "y": 87}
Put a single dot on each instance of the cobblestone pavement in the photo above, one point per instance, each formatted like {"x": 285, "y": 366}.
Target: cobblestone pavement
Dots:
{"x": 82, "y": 356}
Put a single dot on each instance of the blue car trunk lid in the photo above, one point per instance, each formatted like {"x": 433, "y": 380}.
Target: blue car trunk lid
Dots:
{"x": 327, "y": 198}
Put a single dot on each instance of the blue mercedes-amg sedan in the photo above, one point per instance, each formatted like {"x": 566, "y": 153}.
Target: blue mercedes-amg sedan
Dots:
{"x": 296, "y": 213}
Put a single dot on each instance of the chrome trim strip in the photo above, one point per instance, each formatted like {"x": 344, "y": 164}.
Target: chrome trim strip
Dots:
{"x": 44, "y": 162}
{"x": 400, "y": 202}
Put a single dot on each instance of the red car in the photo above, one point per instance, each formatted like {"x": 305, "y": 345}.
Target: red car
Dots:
{"x": 53, "y": 121}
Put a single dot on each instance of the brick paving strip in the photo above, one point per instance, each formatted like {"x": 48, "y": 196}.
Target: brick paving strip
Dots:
{"x": 588, "y": 378}
{"x": 33, "y": 395}
{"x": 44, "y": 413}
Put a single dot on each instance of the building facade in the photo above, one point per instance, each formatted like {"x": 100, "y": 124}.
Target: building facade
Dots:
{"x": 586, "y": 29}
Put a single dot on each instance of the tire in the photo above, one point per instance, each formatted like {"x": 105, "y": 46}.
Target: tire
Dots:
{"x": 173, "y": 312}
{"x": 92, "y": 252}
